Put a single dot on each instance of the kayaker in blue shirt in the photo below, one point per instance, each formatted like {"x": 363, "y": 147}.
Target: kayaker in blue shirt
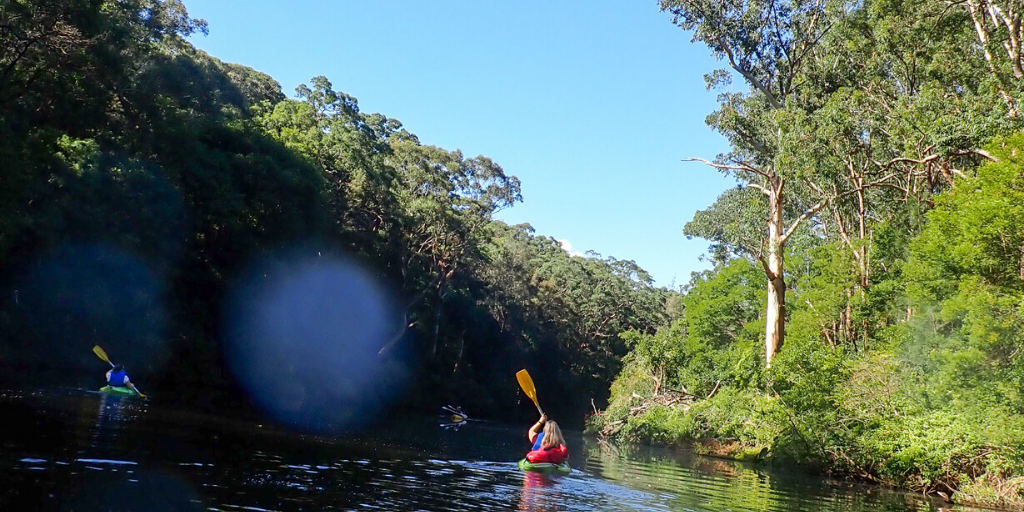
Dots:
{"x": 116, "y": 376}
{"x": 536, "y": 434}
{"x": 554, "y": 450}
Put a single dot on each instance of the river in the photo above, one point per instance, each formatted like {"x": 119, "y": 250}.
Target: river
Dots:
{"x": 81, "y": 451}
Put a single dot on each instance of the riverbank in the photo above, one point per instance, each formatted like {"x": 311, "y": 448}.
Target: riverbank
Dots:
{"x": 937, "y": 453}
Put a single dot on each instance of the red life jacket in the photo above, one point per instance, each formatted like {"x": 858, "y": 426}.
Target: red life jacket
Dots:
{"x": 553, "y": 454}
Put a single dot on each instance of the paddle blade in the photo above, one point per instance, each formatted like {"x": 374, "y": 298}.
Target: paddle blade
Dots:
{"x": 101, "y": 354}
{"x": 526, "y": 383}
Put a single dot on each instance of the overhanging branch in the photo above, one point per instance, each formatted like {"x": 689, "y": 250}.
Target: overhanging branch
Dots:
{"x": 729, "y": 167}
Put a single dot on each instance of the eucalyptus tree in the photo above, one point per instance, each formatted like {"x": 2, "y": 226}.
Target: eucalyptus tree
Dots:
{"x": 856, "y": 108}
{"x": 327, "y": 127}
{"x": 591, "y": 300}
{"x": 566, "y": 313}
{"x": 905, "y": 104}
{"x": 57, "y": 48}
{"x": 418, "y": 211}
{"x": 997, "y": 24}
{"x": 769, "y": 44}
{"x": 446, "y": 202}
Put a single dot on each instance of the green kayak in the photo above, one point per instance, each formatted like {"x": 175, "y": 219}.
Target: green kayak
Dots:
{"x": 545, "y": 467}
{"x": 118, "y": 390}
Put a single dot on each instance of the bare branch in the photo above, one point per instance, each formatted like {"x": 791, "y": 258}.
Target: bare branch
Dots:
{"x": 807, "y": 213}
{"x": 890, "y": 163}
{"x": 825, "y": 202}
{"x": 764, "y": 266}
{"x": 750, "y": 139}
{"x": 749, "y": 76}
{"x": 713, "y": 390}
{"x": 980, "y": 152}
{"x": 759, "y": 187}
{"x": 729, "y": 167}
{"x": 813, "y": 186}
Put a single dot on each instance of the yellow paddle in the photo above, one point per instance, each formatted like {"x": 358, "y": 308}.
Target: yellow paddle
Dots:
{"x": 100, "y": 353}
{"x": 526, "y": 383}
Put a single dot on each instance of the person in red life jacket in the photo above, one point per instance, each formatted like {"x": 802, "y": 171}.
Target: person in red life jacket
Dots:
{"x": 549, "y": 445}
{"x": 116, "y": 376}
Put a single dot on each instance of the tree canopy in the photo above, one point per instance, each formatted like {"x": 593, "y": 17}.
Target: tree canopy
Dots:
{"x": 142, "y": 177}
{"x": 875, "y": 145}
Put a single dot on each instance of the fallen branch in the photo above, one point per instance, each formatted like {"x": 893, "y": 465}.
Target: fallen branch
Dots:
{"x": 713, "y": 390}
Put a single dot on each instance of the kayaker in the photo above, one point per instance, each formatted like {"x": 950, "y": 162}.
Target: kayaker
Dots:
{"x": 548, "y": 444}
{"x": 116, "y": 376}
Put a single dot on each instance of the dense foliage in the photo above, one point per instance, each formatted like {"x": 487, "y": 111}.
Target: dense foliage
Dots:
{"x": 864, "y": 315}
{"x": 878, "y": 152}
{"x": 140, "y": 176}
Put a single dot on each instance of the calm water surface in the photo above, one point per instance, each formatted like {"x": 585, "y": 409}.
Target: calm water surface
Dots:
{"x": 83, "y": 451}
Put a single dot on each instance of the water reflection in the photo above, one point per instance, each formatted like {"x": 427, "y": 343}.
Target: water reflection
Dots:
{"x": 114, "y": 412}
{"x": 537, "y": 493}
{"x": 87, "y": 452}
{"x": 716, "y": 484}
{"x": 150, "y": 491}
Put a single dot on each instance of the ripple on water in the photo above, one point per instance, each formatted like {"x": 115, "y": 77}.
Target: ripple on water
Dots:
{"x": 251, "y": 470}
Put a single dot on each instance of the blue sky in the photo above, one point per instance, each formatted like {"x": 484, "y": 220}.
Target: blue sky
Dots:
{"x": 593, "y": 105}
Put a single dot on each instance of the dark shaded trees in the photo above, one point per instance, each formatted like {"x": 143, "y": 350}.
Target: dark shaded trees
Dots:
{"x": 160, "y": 172}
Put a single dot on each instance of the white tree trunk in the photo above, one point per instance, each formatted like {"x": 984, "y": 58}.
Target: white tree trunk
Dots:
{"x": 775, "y": 312}
{"x": 775, "y": 317}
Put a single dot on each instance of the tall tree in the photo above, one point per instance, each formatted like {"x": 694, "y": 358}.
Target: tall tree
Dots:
{"x": 768, "y": 43}
{"x": 447, "y": 202}
{"x": 835, "y": 118}
{"x": 998, "y": 26}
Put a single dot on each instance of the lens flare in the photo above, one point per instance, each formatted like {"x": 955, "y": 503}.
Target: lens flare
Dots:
{"x": 303, "y": 335}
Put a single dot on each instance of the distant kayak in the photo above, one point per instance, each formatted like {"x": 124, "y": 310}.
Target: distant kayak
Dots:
{"x": 118, "y": 390}
{"x": 545, "y": 467}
